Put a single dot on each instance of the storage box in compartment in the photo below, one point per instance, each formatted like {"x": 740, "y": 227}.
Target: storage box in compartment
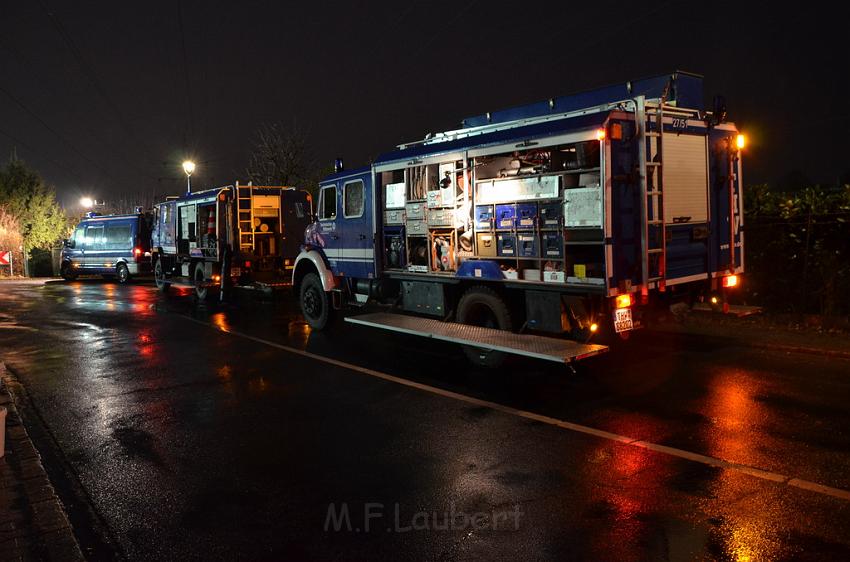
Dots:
{"x": 394, "y": 216}
{"x": 550, "y": 214}
{"x": 527, "y": 245}
{"x": 416, "y": 228}
{"x": 552, "y": 245}
{"x": 531, "y": 274}
{"x": 554, "y": 276}
{"x": 484, "y": 216}
{"x": 510, "y": 274}
{"x": 526, "y": 215}
{"x": 505, "y": 216}
{"x": 441, "y": 217}
{"x": 506, "y": 244}
{"x": 415, "y": 211}
{"x": 486, "y": 244}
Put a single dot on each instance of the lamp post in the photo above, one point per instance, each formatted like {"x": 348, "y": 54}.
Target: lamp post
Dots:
{"x": 188, "y": 167}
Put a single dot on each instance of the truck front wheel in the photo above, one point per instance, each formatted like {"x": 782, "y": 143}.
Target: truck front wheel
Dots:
{"x": 315, "y": 303}
{"x": 482, "y": 306}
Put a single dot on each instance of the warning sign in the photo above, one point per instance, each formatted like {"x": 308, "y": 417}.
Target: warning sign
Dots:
{"x": 5, "y": 258}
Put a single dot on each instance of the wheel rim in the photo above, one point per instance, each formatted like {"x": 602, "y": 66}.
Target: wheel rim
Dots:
{"x": 199, "y": 280}
{"x": 122, "y": 273}
{"x": 312, "y": 304}
{"x": 157, "y": 274}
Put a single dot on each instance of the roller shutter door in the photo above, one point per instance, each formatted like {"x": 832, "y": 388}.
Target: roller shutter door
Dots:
{"x": 685, "y": 169}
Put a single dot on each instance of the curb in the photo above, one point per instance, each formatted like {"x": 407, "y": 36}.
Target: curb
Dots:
{"x": 33, "y": 522}
{"x": 746, "y": 343}
{"x": 823, "y": 352}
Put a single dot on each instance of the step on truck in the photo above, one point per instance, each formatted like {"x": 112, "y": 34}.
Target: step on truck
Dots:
{"x": 242, "y": 236}
{"x": 539, "y": 229}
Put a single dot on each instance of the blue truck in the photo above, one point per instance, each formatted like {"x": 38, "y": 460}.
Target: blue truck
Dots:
{"x": 536, "y": 230}
{"x": 232, "y": 236}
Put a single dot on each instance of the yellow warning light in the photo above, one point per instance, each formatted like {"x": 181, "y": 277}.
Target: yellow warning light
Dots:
{"x": 594, "y": 327}
{"x": 624, "y": 301}
{"x": 713, "y": 300}
{"x": 600, "y": 134}
{"x": 741, "y": 141}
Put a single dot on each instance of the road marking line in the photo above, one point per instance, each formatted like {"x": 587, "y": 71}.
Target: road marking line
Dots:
{"x": 671, "y": 451}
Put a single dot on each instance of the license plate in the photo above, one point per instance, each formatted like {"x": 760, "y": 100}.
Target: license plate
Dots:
{"x": 235, "y": 272}
{"x": 623, "y": 320}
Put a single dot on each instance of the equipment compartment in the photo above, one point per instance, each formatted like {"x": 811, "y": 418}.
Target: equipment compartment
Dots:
{"x": 506, "y": 244}
{"x": 484, "y": 216}
{"x": 527, "y": 244}
{"x": 505, "y": 216}
{"x": 526, "y": 215}
{"x": 485, "y": 244}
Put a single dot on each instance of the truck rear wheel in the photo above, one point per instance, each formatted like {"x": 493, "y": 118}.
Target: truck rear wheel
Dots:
{"x": 122, "y": 273}
{"x": 315, "y": 303}
{"x": 159, "y": 277}
{"x": 482, "y": 306}
{"x": 201, "y": 290}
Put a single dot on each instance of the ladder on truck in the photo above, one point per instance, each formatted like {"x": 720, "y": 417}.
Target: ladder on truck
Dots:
{"x": 245, "y": 208}
{"x": 653, "y": 236}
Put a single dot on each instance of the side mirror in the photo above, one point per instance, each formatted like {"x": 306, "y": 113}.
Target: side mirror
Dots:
{"x": 68, "y": 243}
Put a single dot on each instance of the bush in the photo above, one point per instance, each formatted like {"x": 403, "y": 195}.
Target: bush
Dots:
{"x": 798, "y": 249}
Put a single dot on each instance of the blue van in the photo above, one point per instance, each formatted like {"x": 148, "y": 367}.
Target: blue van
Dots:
{"x": 116, "y": 246}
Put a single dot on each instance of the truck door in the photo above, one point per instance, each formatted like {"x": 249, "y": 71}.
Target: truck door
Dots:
{"x": 358, "y": 248}
{"x": 329, "y": 232}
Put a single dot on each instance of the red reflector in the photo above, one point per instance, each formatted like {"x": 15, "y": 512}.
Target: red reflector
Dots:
{"x": 730, "y": 281}
{"x": 616, "y": 131}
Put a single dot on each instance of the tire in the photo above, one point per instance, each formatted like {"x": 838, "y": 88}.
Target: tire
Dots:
{"x": 481, "y": 306}
{"x": 66, "y": 272}
{"x": 159, "y": 277}
{"x": 315, "y": 302}
{"x": 202, "y": 293}
{"x": 122, "y": 273}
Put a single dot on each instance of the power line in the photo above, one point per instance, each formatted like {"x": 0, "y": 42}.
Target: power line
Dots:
{"x": 29, "y": 65}
{"x": 19, "y": 142}
{"x": 44, "y": 124}
{"x": 92, "y": 76}
{"x": 189, "y": 124}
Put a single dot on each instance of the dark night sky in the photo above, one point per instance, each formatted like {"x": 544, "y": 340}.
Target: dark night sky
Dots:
{"x": 101, "y": 99}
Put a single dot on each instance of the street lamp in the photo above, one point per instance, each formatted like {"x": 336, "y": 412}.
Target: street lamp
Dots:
{"x": 86, "y": 202}
{"x": 188, "y": 167}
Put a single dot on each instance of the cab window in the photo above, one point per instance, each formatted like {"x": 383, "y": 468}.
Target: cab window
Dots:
{"x": 327, "y": 205}
{"x": 79, "y": 237}
{"x": 352, "y": 195}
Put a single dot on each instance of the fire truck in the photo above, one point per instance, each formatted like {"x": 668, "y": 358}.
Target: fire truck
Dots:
{"x": 234, "y": 236}
{"x": 536, "y": 230}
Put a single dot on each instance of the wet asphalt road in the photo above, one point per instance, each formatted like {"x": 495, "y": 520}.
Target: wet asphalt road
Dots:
{"x": 169, "y": 438}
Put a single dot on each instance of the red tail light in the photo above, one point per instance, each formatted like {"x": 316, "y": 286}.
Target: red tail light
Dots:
{"x": 247, "y": 264}
{"x": 137, "y": 253}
